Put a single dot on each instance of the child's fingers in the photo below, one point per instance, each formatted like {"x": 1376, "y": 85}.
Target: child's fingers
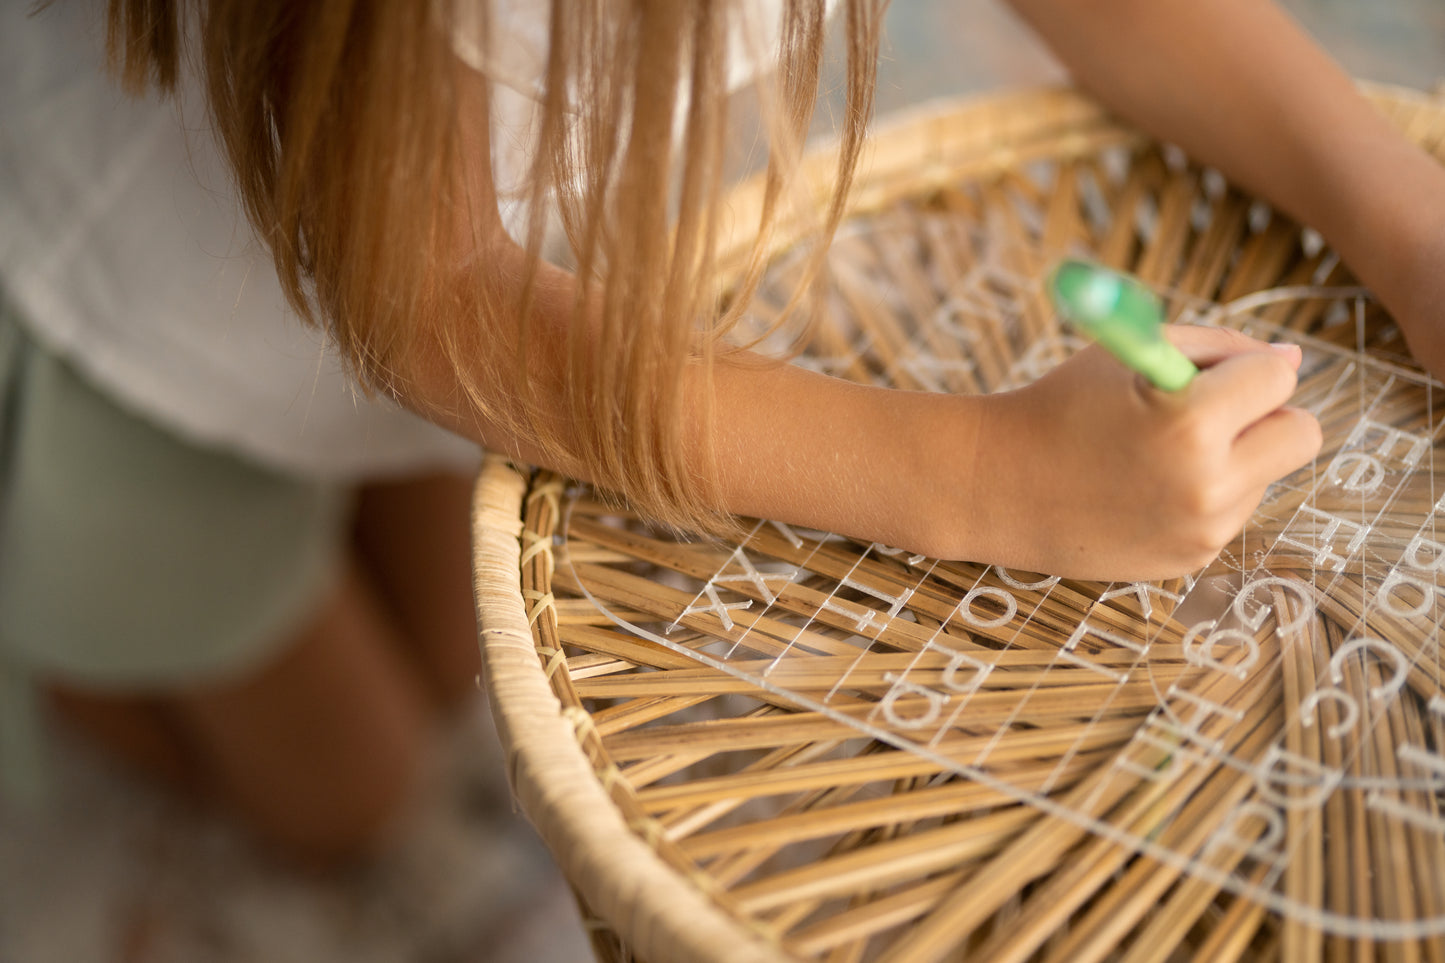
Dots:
{"x": 1209, "y": 346}
{"x": 1292, "y": 353}
{"x": 1241, "y": 390}
{"x": 1277, "y": 444}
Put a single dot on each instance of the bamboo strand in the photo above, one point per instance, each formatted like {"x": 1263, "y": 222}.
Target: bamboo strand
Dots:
{"x": 1236, "y": 930}
{"x": 875, "y": 917}
{"x": 639, "y": 712}
{"x": 946, "y": 800}
{"x": 1303, "y": 879}
{"x": 883, "y": 864}
{"x": 893, "y": 764}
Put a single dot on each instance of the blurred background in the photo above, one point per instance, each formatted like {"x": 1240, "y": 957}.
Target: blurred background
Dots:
{"x": 112, "y": 872}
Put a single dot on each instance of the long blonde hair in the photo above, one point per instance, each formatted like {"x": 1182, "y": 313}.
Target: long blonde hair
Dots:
{"x": 339, "y": 120}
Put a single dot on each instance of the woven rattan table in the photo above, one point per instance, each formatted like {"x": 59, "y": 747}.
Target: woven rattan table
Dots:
{"x": 798, "y": 747}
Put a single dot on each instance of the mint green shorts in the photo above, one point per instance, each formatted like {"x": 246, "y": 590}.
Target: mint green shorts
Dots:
{"x": 132, "y": 561}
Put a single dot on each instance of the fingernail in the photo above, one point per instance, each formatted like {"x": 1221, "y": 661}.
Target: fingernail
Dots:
{"x": 1284, "y": 347}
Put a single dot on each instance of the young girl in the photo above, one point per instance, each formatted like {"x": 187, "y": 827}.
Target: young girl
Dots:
{"x": 401, "y": 163}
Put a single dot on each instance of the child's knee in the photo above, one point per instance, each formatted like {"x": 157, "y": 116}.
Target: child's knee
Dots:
{"x": 338, "y": 816}
{"x": 322, "y": 750}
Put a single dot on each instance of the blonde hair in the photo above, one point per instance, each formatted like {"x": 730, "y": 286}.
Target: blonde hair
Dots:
{"x": 339, "y": 120}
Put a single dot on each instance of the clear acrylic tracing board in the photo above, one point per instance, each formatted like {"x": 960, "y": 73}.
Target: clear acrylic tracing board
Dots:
{"x": 1300, "y": 671}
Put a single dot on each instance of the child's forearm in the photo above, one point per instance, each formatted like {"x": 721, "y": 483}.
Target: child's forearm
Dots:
{"x": 900, "y": 467}
{"x": 787, "y": 443}
{"x": 1081, "y": 474}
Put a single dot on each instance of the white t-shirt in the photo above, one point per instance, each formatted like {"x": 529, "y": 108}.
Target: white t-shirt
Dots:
{"x": 125, "y": 251}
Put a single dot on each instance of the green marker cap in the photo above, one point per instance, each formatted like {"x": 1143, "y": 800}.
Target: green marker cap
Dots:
{"x": 1124, "y": 317}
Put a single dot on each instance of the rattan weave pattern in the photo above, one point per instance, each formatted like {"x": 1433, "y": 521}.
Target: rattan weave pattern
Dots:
{"x": 768, "y": 771}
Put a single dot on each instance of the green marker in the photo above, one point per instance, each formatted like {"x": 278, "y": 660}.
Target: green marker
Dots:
{"x": 1126, "y": 318}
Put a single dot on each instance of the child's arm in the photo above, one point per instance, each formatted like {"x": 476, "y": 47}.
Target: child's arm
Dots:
{"x": 1085, "y": 473}
{"x": 1238, "y": 85}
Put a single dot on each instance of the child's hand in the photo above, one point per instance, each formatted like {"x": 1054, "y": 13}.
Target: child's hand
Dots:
{"x": 1091, "y": 473}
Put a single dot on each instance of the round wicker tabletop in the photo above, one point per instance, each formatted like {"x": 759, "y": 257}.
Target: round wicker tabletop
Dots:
{"x": 793, "y": 746}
